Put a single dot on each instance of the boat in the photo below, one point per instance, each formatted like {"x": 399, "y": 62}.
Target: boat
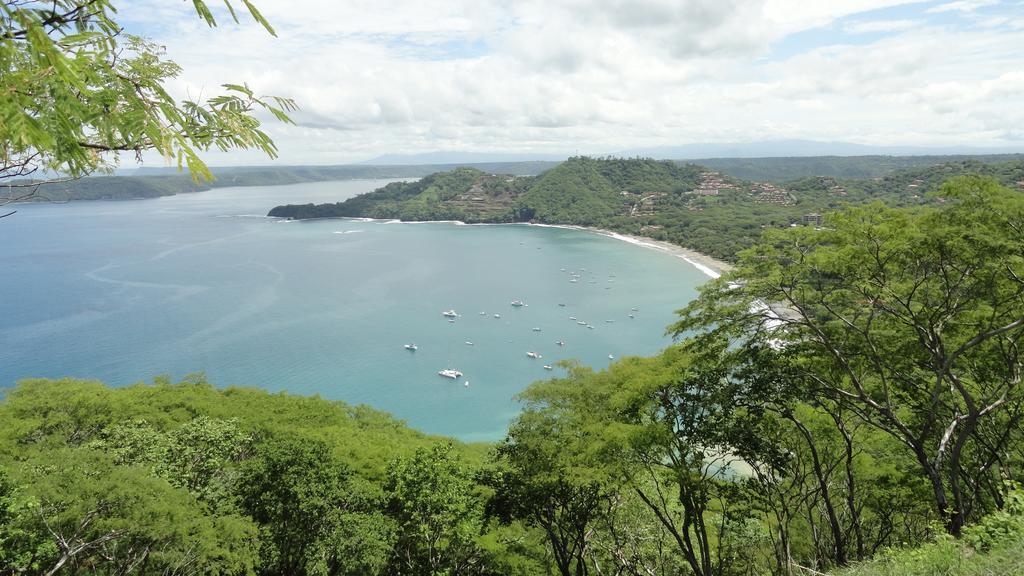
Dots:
{"x": 562, "y": 305}
{"x": 609, "y": 321}
{"x": 450, "y": 314}
{"x": 518, "y": 303}
{"x": 497, "y": 315}
{"x": 581, "y": 322}
{"x": 534, "y": 355}
{"x": 560, "y": 342}
{"x": 452, "y": 320}
{"x": 634, "y": 309}
{"x": 411, "y": 347}
{"x": 536, "y": 329}
{"x": 466, "y": 384}
{"x": 573, "y": 280}
{"x": 449, "y": 373}
{"x": 483, "y": 313}
{"x": 468, "y": 343}
{"x": 632, "y": 316}
{"x": 572, "y": 317}
{"x": 590, "y": 327}
{"x": 548, "y": 367}
{"x": 610, "y": 357}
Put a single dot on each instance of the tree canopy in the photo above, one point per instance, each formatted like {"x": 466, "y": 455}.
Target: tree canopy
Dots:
{"x": 77, "y": 90}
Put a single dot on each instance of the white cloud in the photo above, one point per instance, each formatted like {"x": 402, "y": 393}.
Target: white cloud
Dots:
{"x": 962, "y": 6}
{"x": 869, "y": 27}
{"x": 597, "y": 76}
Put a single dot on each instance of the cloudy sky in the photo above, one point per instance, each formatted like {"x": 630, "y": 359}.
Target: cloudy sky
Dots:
{"x": 597, "y": 76}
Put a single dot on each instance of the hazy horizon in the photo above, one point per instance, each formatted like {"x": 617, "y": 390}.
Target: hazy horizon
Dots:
{"x": 600, "y": 77}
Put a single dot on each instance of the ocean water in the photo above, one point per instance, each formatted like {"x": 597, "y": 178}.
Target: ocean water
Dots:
{"x": 124, "y": 291}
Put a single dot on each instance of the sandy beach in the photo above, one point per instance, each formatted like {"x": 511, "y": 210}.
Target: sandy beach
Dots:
{"x": 712, "y": 267}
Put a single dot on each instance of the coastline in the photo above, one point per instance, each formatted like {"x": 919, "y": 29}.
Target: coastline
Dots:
{"x": 711, "y": 267}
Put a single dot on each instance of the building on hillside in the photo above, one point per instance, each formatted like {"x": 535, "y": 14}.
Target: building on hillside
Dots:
{"x": 768, "y": 193}
{"x": 711, "y": 184}
{"x": 813, "y": 219}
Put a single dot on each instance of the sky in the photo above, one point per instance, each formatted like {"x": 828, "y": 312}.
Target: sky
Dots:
{"x": 598, "y": 76}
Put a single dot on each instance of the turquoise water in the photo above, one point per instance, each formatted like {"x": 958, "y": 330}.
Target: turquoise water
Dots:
{"x": 123, "y": 291}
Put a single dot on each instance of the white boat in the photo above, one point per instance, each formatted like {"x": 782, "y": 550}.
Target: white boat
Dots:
{"x": 466, "y": 384}
{"x": 581, "y": 322}
{"x": 450, "y": 314}
{"x": 483, "y": 313}
{"x": 572, "y": 317}
{"x": 536, "y": 329}
{"x": 634, "y": 309}
{"x": 468, "y": 343}
{"x": 573, "y": 280}
{"x": 610, "y": 357}
{"x": 534, "y": 355}
{"x": 411, "y": 347}
{"x": 549, "y": 367}
{"x": 449, "y": 373}
{"x": 518, "y": 303}
{"x": 497, "y": 315}
{"x": 560, "y": 342}
{"x": 590, "y": 327}
{"x": 632, "y": 316}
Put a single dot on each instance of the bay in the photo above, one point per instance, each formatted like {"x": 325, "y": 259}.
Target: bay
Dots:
{"x": 122, "y": 291}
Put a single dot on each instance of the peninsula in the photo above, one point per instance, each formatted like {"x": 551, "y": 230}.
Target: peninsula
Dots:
{"x": 683, "y": 204}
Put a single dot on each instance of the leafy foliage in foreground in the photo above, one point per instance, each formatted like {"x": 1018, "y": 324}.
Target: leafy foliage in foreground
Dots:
{"x": 993, "y": 547}
{"x": 187, "y": 479}
{"x": 78, "y": 89}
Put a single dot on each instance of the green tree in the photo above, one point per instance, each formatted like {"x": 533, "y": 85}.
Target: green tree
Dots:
{"x": 439, "y": 515}
{"x": 201, "y": 455}
{"x": 295, "y": 490}
{"x": 536, "y": 483}
{"x": 75, "y": 89}
{"x": 910, "y": 319}
{"x": 669, "y": 428}
{"x": 96, "y": 517}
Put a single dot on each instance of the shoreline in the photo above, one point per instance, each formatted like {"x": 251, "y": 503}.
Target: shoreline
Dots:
{"x": 711, "y": 267}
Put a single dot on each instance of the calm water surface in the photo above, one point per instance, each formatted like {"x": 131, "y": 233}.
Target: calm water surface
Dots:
{"x": 123, "y": 291}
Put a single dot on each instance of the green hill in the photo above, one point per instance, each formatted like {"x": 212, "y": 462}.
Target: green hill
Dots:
{"x": 686, "y": 204}
{"x": 465, "y": 194}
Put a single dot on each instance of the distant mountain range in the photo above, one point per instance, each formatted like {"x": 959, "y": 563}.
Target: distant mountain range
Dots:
{"x": 764, "y": 149}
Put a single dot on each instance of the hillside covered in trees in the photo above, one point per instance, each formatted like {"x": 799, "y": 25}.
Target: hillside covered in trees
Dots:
{"x": 686, "y": 204}
{"x": 846, "y": 394}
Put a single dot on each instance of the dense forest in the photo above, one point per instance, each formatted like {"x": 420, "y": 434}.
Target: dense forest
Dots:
{"x": 686, "y": 204}
{"x": 847, "y": 400}
{"x": 781, "y": 170}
